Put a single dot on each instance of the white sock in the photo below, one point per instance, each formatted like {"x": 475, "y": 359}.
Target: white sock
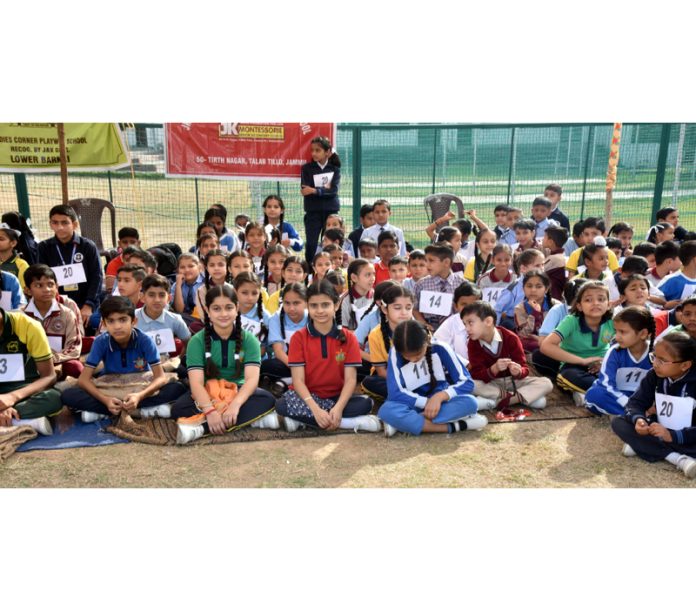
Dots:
{"x": 483, "y": 404}
{"x": 349, "y": 423}
{"x": 673, "y": 457}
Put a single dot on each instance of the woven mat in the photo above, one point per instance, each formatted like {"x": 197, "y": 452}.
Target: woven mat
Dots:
{"x": 559, "y": 406}
{"x": 162, "y": 432}
{"x": 12, "y": 437}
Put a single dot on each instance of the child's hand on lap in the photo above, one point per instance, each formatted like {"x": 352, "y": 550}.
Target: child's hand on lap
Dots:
{"x": 501, "y": 365}
{"x": 432, "y": 407}
{"x": 323, "y": 419}
{"x": 515, "y": 369}
{"x": 335, "y": 418}
{"x": 229, "y": 417}
{"x": 215, "y": 423}
{"x": 642, "y": 427}
{"x": 131, "y": 401}
{"x": 657, "y": 430}
{"x": 6, "y": 416}
{"x": 114, "y": 405}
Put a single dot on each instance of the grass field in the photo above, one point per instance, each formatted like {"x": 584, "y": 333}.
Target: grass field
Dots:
{"x": 544, "y": 454}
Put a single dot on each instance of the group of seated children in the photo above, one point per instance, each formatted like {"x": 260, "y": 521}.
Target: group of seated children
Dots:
{"x": 366, "y": 333}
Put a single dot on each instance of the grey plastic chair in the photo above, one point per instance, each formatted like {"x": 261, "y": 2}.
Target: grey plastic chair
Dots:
{"x": 438, "y": 204}
{"x": 89, "y": 210}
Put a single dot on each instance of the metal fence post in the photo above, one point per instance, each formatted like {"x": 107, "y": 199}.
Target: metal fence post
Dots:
{"x": 590, "y": 145}
{"x": 678, "y": 164}
{"x": 357, "y": 175}
{"x": 437, "y": 131}
{"x": 22, "y": 194}
{"x": 111, "y": 192}
{"x": 661, "y": 166}
{"x": 512, "y": 163}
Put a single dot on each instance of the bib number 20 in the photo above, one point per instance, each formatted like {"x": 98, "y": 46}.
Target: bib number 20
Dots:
{"x": 666, "y": 409}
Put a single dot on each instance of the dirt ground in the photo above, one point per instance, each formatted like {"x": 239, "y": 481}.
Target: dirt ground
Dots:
{"x": 546, "y": 454}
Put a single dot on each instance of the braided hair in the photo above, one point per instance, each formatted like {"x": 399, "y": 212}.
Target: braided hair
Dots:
{"x": 272, "y": 250}
{"x": 324, "y": 287}
{"x": 481, "y": 266}
{"x": 409, "y": 337}
{"x": 282, "y": 210}
{"x": 638, "y": 319}
{"x": 380, "y": 289}
{"x": 293, "y": 287}
{"x": 212, "y": 370}
{"x": 252, "y": 278}
{"x": 389, "y": 297}
{"x": 655, "y": 229}
{"x": 354, "y": 268}
{"x": 214, "y": 253}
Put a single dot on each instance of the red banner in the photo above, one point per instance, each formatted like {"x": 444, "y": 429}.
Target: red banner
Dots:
{"x": 256, "y": 151}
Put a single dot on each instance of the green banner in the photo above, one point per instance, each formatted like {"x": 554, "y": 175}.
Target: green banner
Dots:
{"x": 34, "y": 147}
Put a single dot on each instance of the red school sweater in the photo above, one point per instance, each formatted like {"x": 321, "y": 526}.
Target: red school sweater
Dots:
{"x": 481, "y": 359}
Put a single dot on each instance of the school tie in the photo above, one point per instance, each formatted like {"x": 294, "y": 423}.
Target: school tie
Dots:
{"x": 190, "y": 302}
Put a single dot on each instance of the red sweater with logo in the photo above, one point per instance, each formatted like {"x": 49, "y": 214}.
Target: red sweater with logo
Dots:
{"x": 481, "y": 359}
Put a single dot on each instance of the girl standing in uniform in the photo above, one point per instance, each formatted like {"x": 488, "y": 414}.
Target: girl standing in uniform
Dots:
{"x": 319, "y": 185}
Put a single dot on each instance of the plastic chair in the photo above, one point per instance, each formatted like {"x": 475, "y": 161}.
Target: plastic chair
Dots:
{"x": 89, "y": 210}
{"x": 438, "y": 204}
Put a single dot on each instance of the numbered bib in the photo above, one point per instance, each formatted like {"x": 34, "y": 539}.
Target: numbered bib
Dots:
{"x": 628, "y": 379}
{"x": 6, "y": 301}
{"x": 164, "y": 340}
{"x": 252, "y": 326}
{"x": 674, "y": 412}
{"x": 417, "y": 374}
{"x": 323, "y": 180}
{"x": 491, "y": 295}
{"x": 11, "y": 368}
{"x": 55, "y": 342}
{"x": 70, "y": 275}
{"x": 435, "y": 303}
{"x": 688, "y": 291}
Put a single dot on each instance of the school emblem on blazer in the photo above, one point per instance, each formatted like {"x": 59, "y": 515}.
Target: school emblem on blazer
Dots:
{"x": 340, "y": 356}
{"x": 78, "y": 257}
{"x": 140, "y": 364}
{"x": 57, "y": 325}
{"x": 13, "y": 346}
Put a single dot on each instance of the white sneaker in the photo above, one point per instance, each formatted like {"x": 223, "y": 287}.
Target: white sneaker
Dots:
{"x": 92, "y": 416}
{"x": 368, "y": 423}
{"x": 475, "y": 422}
{"x": 40, "y": 425}
{"x": 188, "y": 433}
{"x": 628, "y": 451}
{"x": 292, "y": 425}
{"x": 389, "y": 430}
{"x": 158, "y": 411}
{"x": 269, "y": 421}
{"x": 688, "y": 466}
{"x": 579, "y": 398}
{"x": 483, "y": 404}
{"x": 540, "y": 403}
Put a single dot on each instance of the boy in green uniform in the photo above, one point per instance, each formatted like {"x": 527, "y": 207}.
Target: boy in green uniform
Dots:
{"x": 26, "y": 374}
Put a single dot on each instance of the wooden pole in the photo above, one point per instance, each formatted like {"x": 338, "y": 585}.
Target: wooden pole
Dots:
{"x": 611, "y": 173}
{"x": 63, "y": 162}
